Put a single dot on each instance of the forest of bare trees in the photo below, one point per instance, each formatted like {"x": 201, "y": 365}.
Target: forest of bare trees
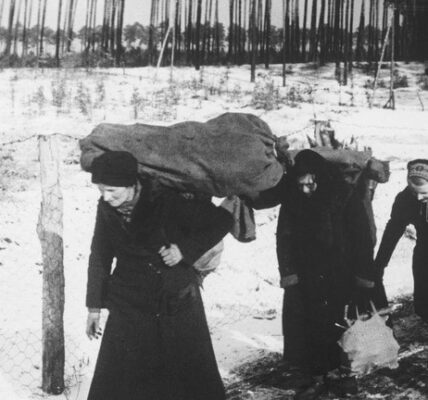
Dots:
{"x": 340, "y": 31}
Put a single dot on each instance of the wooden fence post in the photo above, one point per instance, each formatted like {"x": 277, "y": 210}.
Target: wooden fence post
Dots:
{"x": 49, "y": 230}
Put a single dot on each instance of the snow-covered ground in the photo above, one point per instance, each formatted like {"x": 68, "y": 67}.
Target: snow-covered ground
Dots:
{"x": 242, "y": 298}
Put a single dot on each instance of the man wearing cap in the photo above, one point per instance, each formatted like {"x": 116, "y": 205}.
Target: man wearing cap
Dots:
{"x": 156, "y": 344}
{"x": 410, "y": 207}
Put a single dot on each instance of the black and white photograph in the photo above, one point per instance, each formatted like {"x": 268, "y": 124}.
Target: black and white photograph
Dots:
{"x": 213, "y": 199}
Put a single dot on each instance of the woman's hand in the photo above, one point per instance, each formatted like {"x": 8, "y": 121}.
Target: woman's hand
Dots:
{"x": 93, "y": 329}
{"x": 171, "y": 255}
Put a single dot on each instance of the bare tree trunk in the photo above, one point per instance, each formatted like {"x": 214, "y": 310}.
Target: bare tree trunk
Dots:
{"x": 71, "y": 13}
{"x": 296, "y": 43}
{"x": 39, "y": 11}
{"x": 246, "y": 42}
{"x": 268, "y": 7}
{"x": 235, "y": 33}
{"x": 210, "y": 43}
{"x": 342, "y": 29}
{"x": 58, "y": 33}
{"x": 313, "y": 45}
{"x": 351, "y": 36}
{"x": 360, "y": 38}
{"x": 151, "y": 34}
{"x": 376, "y": 30}
{"x": 94, "y": 25}
{"x": 105, "y": 28}
{"x": 27, "y": 17}
{"x": 65, "y": 25}
{"x": 1, "y": 10}
{"x": 284, "y": 47}
{"x": 119, "y": 47}
{"x": 205, "y": 34}
{"x": 230, "y": 49}
{"x": 112, "y": 28}
{"x": 321, "y": 33}
{"x": 86, "y": 38}
{"x": 346, "y": 44}
{"x": 370, "y": 35}
{"x": 330, "y": 29}
{"x": 189, "y": 32}
{"x": 337, "y": 39}
{"x": 217, "y": 33}
{"x": 259, "y": 30}
{"x": 287, "y": 30}
{"x": 16, "y": 34}
{"x": 239, "y": 35}
{"x": 253, "y": 40}
{"x": 292, "y": 31}
{"x": 174, "y": 14}
{"x": 395, "y": 33}
{"x": 177, "y": 30}
{"x": 198, "y": 35}
{"x": 90, "y": 26}
{"x": 304, "y": 30}
{"x": 10, "y": 27}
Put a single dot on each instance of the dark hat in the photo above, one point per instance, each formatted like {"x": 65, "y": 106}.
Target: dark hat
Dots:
{"x": 115, "y": 168}
{"x": 418, "y": 168}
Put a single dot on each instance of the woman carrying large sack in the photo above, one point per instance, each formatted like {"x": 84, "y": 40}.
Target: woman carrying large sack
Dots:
{"x": 325, "y": 257}
{"x": 156, "y": 344}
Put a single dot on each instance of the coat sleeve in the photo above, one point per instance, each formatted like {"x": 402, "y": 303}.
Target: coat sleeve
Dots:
{"x": 285, "y": 250}
{"x": 361, "y": 245}
{"x": 203, "y": 224}
{"x": 394, "y": 229}
{"x": 100, "y": 263}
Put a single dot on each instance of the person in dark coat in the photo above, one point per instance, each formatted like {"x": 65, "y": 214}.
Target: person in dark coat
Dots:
{"x": 410, "y": 207}
{"x": 325, "y": 257}
{"x": 156, "y": 344}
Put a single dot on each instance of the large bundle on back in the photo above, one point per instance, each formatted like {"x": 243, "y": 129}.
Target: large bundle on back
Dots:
{"x": 358, "y": 168}
{"x": 233, "y": 154}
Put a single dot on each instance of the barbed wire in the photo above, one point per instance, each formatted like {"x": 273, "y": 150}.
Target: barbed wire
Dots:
{"x": 36, "y": 135}
{"x": 406, "y": 128}
{"x": 298, "y": 131}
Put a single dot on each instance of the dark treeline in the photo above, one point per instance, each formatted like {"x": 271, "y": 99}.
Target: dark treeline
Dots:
{"x": 340, "y": 31}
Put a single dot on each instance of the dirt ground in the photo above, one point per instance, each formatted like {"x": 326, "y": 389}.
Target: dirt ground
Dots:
{"x": 268, "y": 378}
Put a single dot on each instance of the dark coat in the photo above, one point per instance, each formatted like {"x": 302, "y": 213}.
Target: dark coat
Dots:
{"x": 325, "y": 252}
{"x": 156, "y": 345}
{"x": 408, "y": 210}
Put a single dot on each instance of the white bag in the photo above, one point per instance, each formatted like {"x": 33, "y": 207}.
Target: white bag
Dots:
{"x": 369, "y": 344}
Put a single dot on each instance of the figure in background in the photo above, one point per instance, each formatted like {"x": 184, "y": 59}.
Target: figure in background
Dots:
{"x": 156, "y": 344}
{"x": 410, "y": 207}
{"x": 325, "y": 257}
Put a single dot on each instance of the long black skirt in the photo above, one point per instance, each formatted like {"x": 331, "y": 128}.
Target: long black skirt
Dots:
{"x": 164, "y": 356}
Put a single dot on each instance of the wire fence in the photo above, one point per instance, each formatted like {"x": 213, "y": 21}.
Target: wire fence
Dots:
{"x": 31, "y": 280}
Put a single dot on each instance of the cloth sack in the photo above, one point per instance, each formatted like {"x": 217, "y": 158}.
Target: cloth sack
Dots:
{"x": 234, "y": 153}
{"x": 369, "y": 344}
{"x": 244, "y": 225}
{"x": 210, "y": 260}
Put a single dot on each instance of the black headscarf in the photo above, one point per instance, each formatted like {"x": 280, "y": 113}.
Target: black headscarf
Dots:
{"x": 327, "y": 177}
